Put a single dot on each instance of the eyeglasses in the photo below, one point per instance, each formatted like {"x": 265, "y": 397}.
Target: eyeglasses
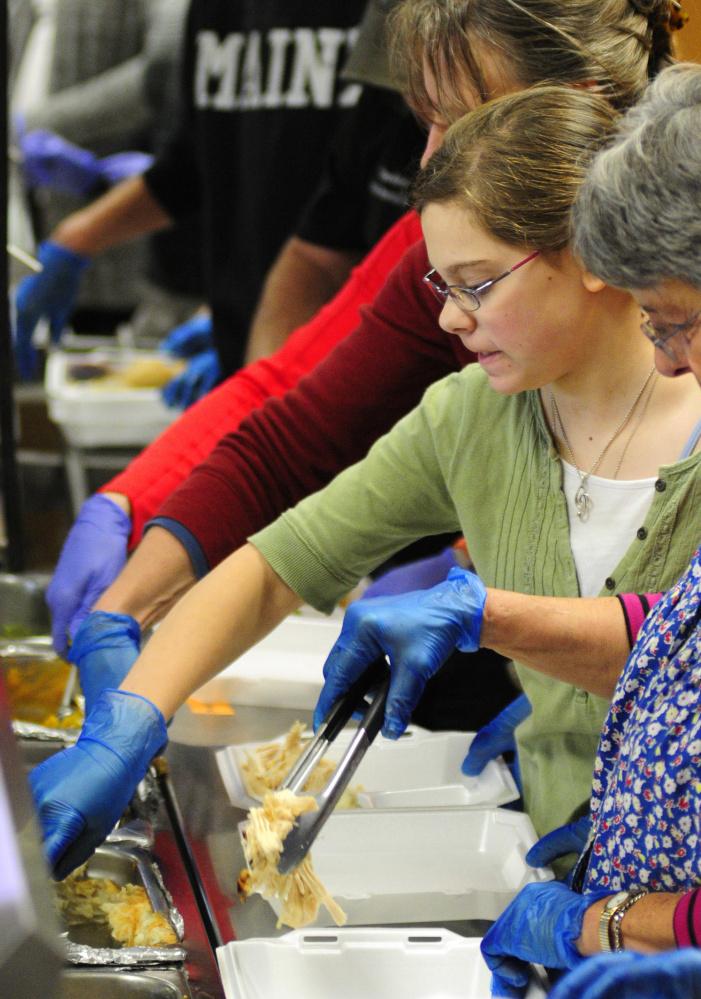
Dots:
{"x": 467, "y": 298}
{"x": 662, "y": 338}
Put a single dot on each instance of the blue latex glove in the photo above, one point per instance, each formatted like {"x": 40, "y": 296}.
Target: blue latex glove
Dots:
{"x": 81, "y": 792}
{"x": 672, "y": 975}
{"x": 190, "y": 338}
{"x": 496, "y": 738}
{"x": 541, "y": 926}
{"x": 201, "y": 375}
{"x": 116, "y": 168}
{"x": 105, "y": 648}
{"x": 50, "y": 293}
{"x": 93, "y": 555}
{"x": 417, "y": 631}
{"x": 50, "y": 161}
{"x": 420, "y": 575}
{"x": 560, "y": 842}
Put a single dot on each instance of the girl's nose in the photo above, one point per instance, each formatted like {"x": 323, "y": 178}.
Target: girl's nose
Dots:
{"x": 455, "y": 320}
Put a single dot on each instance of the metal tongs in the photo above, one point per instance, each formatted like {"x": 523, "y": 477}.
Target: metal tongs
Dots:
{"x": 304, "y": 832}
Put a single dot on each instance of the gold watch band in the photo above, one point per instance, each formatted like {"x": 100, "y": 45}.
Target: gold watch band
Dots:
{"x": 617, "y": 919}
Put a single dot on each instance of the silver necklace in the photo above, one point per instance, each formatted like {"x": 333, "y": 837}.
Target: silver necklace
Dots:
{"x": 582, "y": 499}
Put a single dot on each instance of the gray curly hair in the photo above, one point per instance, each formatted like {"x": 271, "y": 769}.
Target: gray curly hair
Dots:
{"x": 637, "y": 218}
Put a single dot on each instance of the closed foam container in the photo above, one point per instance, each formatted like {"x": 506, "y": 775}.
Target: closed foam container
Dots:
{"x": 284, "y": 670}
{"x": 419, "y": 770}
{"x": 375, "y": 963}
{"x": 91, "y": 416}
{"x": 418, "y": 865}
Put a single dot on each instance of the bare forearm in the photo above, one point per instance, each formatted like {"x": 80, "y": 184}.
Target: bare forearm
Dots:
{"x": 230, "y": 610}
{"x": 579, "y": 641}
{"x": 303, "y": 279}
{"x": 647, "y": 926}
{"x": 127, "y": 211}
{"x": 156, "y": 576}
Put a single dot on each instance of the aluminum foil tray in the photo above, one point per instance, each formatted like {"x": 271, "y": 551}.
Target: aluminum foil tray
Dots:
{"x": 93, "y": 943}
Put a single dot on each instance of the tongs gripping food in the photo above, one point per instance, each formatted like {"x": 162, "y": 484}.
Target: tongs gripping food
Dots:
{"x": 300, "y": 838}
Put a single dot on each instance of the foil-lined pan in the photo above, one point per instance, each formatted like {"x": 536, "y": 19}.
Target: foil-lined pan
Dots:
{"x": 92, "y": 943}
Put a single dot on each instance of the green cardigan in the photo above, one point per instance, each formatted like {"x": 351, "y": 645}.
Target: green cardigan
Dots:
{"x": 472, "y": 460}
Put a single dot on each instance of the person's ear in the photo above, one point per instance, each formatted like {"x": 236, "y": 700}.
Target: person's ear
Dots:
{"x": 592, "y": 283}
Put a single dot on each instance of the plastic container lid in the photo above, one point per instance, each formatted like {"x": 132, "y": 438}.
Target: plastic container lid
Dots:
{"x": 420, "y": 865}
{"x": 284, "y": 670}
{"x": 90, "y": 416}
{"x": 418, "y": 963}
{"x": 419, "y": 770}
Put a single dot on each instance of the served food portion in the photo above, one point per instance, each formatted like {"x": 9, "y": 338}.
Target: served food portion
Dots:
{"x": 267, "y": 766}
{"x": 125, "y": 910}
{"x": 300, "y": 892}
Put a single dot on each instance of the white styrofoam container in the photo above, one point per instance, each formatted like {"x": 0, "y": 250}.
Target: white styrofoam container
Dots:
{"x": 90, "y": 416}
{"x": 418, "y": 963}
{"x": 432, "y": 864}
{"x": 284, "y": 670}
{"x": 419, "y": 770}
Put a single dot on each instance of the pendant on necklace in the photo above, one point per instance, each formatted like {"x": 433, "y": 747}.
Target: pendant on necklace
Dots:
{"x": 582, "y": 501}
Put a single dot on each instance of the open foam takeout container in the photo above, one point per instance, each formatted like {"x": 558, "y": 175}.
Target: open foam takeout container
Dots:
{"x": 421, "y": 963}
{"x": 432, "y": 864}
{"x": 419, "y": 770}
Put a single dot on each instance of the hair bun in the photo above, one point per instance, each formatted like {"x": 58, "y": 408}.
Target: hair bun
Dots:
{"x": 666, "y": 14}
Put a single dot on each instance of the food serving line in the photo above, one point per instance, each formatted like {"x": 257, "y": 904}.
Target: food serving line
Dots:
{"x": 419, "y": 867}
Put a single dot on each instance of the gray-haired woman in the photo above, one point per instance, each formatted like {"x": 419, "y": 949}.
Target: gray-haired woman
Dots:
{"x": 638, "y": 219}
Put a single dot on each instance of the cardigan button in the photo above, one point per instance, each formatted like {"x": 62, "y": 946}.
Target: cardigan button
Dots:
{"x": 610, "y": 584}
{"x": 660, "y": 485}
{"x": 642, "y": 533}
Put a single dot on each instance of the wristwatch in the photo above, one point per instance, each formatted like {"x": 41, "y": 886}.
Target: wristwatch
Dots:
{"x": 612, "y": 917}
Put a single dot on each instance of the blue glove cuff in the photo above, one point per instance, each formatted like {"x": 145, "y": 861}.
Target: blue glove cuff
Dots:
{"x": 129, "y": 725}
{"x": 49, "y": 253}
{"x": 467, "y": 584}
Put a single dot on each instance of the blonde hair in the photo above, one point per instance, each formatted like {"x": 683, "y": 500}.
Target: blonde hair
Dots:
{"x": 516, "y": 163}
{"x": 615, "y": 46}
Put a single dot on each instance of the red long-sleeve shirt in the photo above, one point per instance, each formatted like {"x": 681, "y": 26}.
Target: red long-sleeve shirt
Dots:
{"x": 293, "y": 446}
{"x": 162, "y": 466}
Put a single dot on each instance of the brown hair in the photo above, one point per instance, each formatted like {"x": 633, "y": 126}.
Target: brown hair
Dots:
{"x": 616, "y": 44}
{"x": 516, "y": 163}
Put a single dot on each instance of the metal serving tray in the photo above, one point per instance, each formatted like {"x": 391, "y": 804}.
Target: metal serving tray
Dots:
{"x": 89, "y": 983}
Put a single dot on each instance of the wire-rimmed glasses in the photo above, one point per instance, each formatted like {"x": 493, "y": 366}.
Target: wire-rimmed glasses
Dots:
{"x": 468, "y": 298}
{"x": 662, "y": 338}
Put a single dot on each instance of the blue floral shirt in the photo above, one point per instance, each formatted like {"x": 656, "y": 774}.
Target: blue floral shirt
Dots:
{"x": 646, "y": 793}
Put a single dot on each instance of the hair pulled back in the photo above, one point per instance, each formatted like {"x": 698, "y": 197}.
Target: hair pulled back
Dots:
{"x": 612, "y": 46}
{"x": 516, "y": 163}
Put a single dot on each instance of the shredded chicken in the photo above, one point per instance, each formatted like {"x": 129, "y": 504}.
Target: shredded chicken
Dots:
{"x": 300, "y": 891}
{"x": 266, "y": 768}
{"x": 126, "y": 909}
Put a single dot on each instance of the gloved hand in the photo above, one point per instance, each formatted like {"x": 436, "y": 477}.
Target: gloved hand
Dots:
{"x": 541, "y": 925}
{"x": 115, "y": 168}
{"x": 571, "y": 838}
{"x": 190, "y": 338}
{"x": 50, "y": 293}
{"x": 50, "y": 161}
{"x": 93, "y": 555}
{"x": 81, "y": 792}
{"x": 418, "y": 631}
{"x": 420, "y": 575}
{"x": 105, "y": 648}
{"x": 201, "y": 375}
{"x": 497, "y": 737}
{"x": 672, "y": 975}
